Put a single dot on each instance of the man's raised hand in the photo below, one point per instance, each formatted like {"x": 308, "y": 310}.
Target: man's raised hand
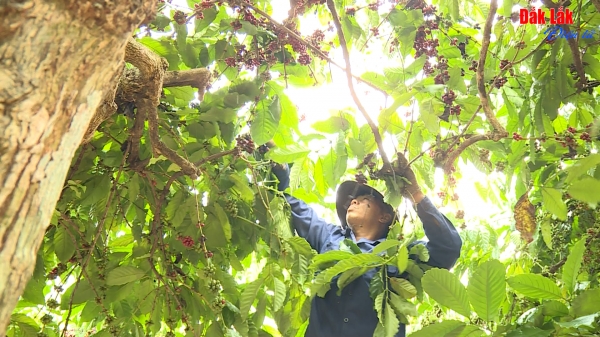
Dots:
{"x": 411, "y": 189}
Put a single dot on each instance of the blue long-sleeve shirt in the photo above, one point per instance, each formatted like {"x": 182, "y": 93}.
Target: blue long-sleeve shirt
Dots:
{"x": 352, "y": 314}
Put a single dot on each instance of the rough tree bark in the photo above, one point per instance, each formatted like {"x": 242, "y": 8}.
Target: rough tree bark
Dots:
{"x": 58, "y": 60}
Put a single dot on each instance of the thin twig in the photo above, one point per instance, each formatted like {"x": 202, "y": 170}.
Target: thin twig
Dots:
{"x": 340, "y": 32}
{"x": 98, "y": 233}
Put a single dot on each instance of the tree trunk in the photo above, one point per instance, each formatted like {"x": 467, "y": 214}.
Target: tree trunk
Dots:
{"x": 58, "y": 59}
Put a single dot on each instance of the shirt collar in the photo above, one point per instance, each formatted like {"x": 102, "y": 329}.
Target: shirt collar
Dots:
{"x": 350, "y": 235}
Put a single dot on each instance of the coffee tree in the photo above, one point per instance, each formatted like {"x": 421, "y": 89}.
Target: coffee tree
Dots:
{"x": 169, "y": 223}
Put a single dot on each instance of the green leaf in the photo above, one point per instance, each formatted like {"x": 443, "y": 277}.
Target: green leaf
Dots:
{"x": 265, "y": 123}
{"x": 330, "y": 256}
{"x": 359, "y": 260}
{"x": 546, "y": 227}
{"x": 348, "y": 245}
{"x": 215, "y": 114}
{"x": 333, "y": 124}
{"x": 529, "y": 332}
{"x": 123, "y": 275}
{"x": 34, "y": 292}
{"x": 96, "y": 190}
{"x": 289, "y": 154}
{"x": 402, "y": 306}
{"x": 554, "y": 308}
{"x": 553, "y": 202}
{"x": 209, "y": 16}
{"x": 586, "y": 189}
{"x": 279, "y": 291}
{"x": 64, "y": 247}
{"x": 403, "y": 287}
{"x": 242, "y": 187}
{"x": 581, "y": 321}
{"x": 224, "y": 223}
{"x": 420, "y": 251}
{"x": 390, "y": 321}
{"x": 535, "y": 286}
{"x": 301, "y": 246}
{"x": 348, "y": 276}
{"x": 446, "y": 289}
{"x": 248, "y": 296}
{"x": 402, "y": 259}
{"x": 487, "y": 289}
{"x": 570, "y": 270}
{"x": 582, "y": 167}
{"x": 440, "y": 329}
{"x": 586, "y": 303}
{"x": 385, "y": 245}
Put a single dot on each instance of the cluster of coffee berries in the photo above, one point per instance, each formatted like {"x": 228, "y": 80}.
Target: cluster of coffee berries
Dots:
{"x": 208, "y": 254}
{"x": 214, "y": 285}
{"x": 210, "y": 270}
{"x": 199, "y": 8}
{"x": 416, "y": 4}
{"x": 303, "y": 5}
{"x": 263, "y": 149}
{"x": 441, "y": 195}
{"x": 186, "y": 241}
{"x": 455, "y": 110}
{"x": 52, "y": 303}
{"x": 499, "y": 82}
{"x": 218, "y": 303}
{"x": 500, "y": 166}
{"x": 585, "y": 137}
{"x": 429, "y": 10}
{"x": 231, "y": 207}
{"x": 449, "y": 97}
{"x": 424, "y": 45}
{"x": 245, "y": 143}
{"x": 374, "y": 6}
{"x": 46, "y": 319}
{"x": 304, "y": 59}
{"x": 517, "y": 136}
{"x": 460, "y": 214}
{"x": 59, "y": 269}
{"x": 473, "y": 66}
{"x": 504, "y": 64}
{"x": 180, "y": 17}
{"x": 360, "y": 178}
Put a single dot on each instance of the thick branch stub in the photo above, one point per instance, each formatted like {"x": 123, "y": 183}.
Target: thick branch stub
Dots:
{"x": 196, "y": 78}
{"x": 452, "y": 156}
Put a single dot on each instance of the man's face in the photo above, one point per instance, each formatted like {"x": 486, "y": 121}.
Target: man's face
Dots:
{"x": 366, "y": 211}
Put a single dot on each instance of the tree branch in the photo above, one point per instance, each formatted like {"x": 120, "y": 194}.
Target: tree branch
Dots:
{"x": 500, "y": 132}
{"x": 378, "y": 140}
{"x": 197, "y": 78}
{"x": 186, "y": 166}
{"x": 463, "y": 146}
{"x": 573, "y": 46}
{"x": 315, "y": 49}
{"x": 596, "y": 4}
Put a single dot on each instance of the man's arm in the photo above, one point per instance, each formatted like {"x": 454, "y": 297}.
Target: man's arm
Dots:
{"x": 444, "y": 242}
{"x": 304, "y": 218}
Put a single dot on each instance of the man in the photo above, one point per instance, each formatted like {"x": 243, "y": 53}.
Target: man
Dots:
{"x": 365, "y": 218}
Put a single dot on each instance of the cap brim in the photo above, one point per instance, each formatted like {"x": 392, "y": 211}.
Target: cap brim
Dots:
{"x": 349, "y": 190}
